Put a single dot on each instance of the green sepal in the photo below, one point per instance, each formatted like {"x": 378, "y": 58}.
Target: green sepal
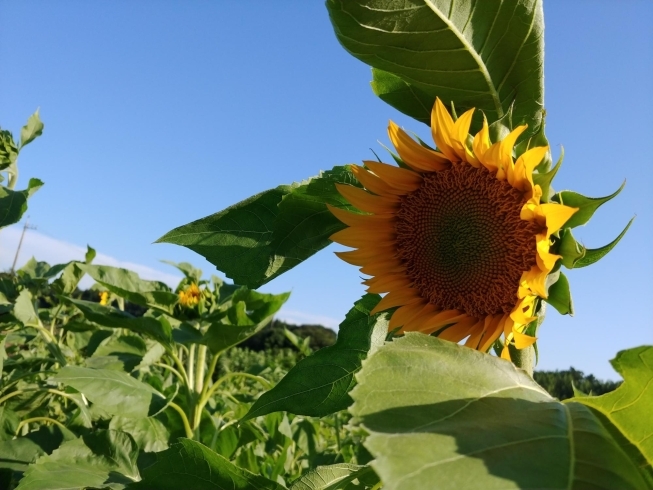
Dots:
{"x": 593, "y": 255}
{"x": 544, "y": 179}
{"x": 502, "y": 127}
{"x": 560, "y": 294}
{"x": 538, "y": 139}
{"x": 570, "y": 249}
{"x": 587, "y": 206}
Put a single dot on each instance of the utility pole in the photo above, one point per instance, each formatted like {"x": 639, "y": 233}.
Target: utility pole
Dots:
{"x": 20, "y": 242}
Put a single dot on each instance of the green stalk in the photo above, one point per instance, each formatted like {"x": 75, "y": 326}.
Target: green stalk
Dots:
{"x": 38, "y": 419}
{"x": 200, "y": 367}
{"x": 213, "y": 389}
{"x": 190, "y": 367}
{"x": 184, "y": 419}
{"x": 523, "y": 358}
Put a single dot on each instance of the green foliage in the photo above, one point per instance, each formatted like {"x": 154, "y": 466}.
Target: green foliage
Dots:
{"x": 13, "y": 204}
{"x": 422, "y": 403}
{"x": 420, "y": 50}
{"x": 319, "y": 384}
{"x": 188, "y": 464}
{"x": 256, "y": 240}
{"x": 626, "y": 411}
{"x": 272, "y": 336}
{"x": 562, "y": 384}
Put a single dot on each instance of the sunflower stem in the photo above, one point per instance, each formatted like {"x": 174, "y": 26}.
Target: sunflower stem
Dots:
{"x": 523, "y": 358}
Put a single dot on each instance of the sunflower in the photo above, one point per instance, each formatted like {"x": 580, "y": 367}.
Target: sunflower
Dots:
{"x": 457, "y": 237}
{"x": 190, "y": 296}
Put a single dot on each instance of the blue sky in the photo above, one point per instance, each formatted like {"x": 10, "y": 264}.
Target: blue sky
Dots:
{"x": 159, "y": 113}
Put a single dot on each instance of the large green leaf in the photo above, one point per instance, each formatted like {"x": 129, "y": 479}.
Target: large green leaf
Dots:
{"x": 628, "y": 408}
{"x": 189, "y": 464}
{"x": 108, "y": 316}
{"x": 319, "y": 384}
{"x": 149, "y": 433}
{"x": 128, "y": 285}
{"x": 115, "y": 392}
{"x": 259, "y": 238}
{"x": 14, "y": 203}
{"x": 484, "y": 54}
{"x": 249, "y": 312}
{"x": 446, "y": 415}
{"x": 101, "y": 459}
{"x": 340, "y": 476}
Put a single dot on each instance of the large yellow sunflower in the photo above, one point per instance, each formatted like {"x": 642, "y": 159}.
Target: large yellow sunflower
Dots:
{"x": 459, "y": 240}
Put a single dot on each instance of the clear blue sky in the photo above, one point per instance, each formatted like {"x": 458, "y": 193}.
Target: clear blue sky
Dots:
{"x": 159, "y": 113}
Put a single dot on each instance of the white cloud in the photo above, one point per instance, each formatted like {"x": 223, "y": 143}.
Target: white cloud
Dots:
{"x": 53, "y": 251}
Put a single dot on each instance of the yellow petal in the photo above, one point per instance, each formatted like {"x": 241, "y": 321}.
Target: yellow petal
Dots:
{"x": 414, "y": 154}
{"x": 482, "y": 141}
{"x": 556, "y": 215}
{"x": 442, "y": 129}
{"x": 374, "y": 183}
{"x": 522, "y": 340}
{"x": 402, "y": 178}
{"x": 492, "y": 334}
{"x": 525, "y": 165}
{"x": 397, "y": 298}
{"x": 367, "y": 202}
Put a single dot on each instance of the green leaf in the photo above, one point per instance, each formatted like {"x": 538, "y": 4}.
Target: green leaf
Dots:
{"x": 32, "y": 130}
{"x": 108, "y": 316}
{"x": 8, "y": 424}
{"x": 191, "y": 273}
{"x": 440, "y": 412}
{"x": 13, "y": 204}
{"x": 149, "y": 433}
{"x": 560, "y": 294}
{"x": 100, "y": 459}
{"x": 319, "y": 385}
{"x": 628, "y": 408}
{"x": 189, "y": 464}
{"x": 587, "y": 206}
{"x": 451, "y": 52}
{"x": 18, "y": 453}
{"x": 401, "y": 95}
{"x": 90, "y": 254}
{"x": 115, "y": 392}
{"x": 250, "y": 312}
{"x": 128, "y": 285}
{"x": 593, "y": 255}
{"x": 258, "y": 239}
{"x": 8, "y": 149}
{"x": 336, "y": 477}
{"x": 545, "y": 179}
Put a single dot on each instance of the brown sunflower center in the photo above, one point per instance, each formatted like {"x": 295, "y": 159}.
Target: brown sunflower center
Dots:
{"x": 462, "y": 240}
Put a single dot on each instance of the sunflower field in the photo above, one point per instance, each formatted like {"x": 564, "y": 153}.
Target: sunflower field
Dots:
{"x": 462, "y": 242}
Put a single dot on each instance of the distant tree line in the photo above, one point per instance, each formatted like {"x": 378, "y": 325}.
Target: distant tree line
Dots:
{"x": 559, "y": 383}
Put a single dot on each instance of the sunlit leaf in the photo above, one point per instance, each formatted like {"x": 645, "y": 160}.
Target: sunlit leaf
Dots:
{"x": 336, "y": 477}
{"x": 13, "y": 204}
{"x": 32, "y": 130}
{"x": 250, "y": 312}
{"x": 189, "y": 464}
{"x": 319, "y": 385}
{"x": 128, "y": 285}
{"x": 96, "y": 460}
{"x": 149, "y": 433}
{"x": 259, "y": 238}
{"x": 450, "y": 52}
{"x": 108, "y": 316}
{"x": 440, "y": 412}
{"x": 628, "y": 408}
{"x": 115, "y": 392}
